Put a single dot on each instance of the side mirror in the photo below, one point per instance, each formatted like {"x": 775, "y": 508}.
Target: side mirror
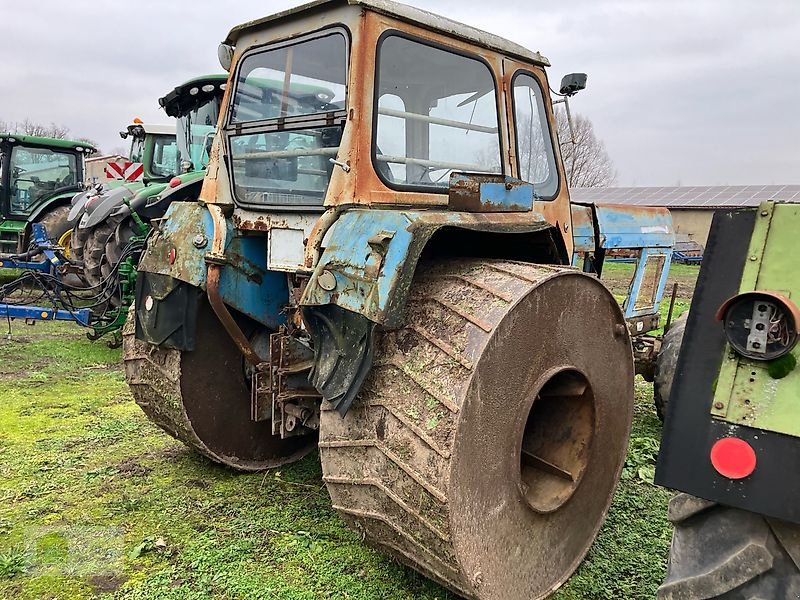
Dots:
{"x": 572, "y": 84}
{"x": 225, "y": 55}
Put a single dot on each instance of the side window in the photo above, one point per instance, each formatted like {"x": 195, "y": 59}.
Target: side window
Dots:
{"x": 436, "y": 113}
{"x": 534, "y": 146}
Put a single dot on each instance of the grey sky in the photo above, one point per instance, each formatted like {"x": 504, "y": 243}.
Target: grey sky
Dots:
{"x": 691, "y": 92}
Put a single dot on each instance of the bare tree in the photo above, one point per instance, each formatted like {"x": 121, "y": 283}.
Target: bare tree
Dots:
{"x": 28, "y": 127}
{"x": 586, "y": 160}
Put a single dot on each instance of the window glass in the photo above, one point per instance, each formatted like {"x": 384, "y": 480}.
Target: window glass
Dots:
{"x": 437, "y": 113}
{"x": 37, "y": 174}
{"x": 282, "y": 158}
{"x": 534, "y": 146}
{"x": 195, "y": 132}
{"x": 165, "y": 156}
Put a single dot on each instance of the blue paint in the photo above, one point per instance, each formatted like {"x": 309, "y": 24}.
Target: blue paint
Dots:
{"x": 39, "y": 313}
{"x": 623, "y": 227}
{"x": 245, "y": 284}
{"x": 496, "y": 193}
{"x": 629, "y": 306}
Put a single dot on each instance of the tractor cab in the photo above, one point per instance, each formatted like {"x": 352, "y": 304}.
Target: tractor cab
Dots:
{"x": 195, "y": 104}
{"x": 36, "y": 175}
{"x": 155, "y": 148}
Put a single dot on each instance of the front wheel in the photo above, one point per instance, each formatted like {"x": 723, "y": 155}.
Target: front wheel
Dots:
{"x": 666, "y": 363}
{"x": 730, "y": 554}
{"x": 56, "y": 221}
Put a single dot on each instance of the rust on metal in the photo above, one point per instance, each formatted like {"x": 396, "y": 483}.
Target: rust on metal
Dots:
{"x": 215, "y": 260}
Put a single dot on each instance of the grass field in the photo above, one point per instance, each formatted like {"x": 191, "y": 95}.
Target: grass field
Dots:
{"x": 97, "y": 502}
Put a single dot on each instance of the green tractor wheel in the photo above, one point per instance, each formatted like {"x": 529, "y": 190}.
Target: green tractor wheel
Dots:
{"x": 202, "y": 398}
{"x": 94, "y": 252}
{"x": 729, "y": 554}
{"x": 486, "y": 443}
{"x": 56, "y": 221}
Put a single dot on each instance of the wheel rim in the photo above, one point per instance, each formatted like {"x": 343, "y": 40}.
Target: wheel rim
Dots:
{"x": 65, "y": 241}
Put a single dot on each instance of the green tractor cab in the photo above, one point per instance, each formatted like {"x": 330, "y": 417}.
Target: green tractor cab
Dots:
{"x": 38, "y": 177}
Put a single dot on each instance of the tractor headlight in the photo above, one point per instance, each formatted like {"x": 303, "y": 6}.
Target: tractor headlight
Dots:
{"x": 760, "y": 325}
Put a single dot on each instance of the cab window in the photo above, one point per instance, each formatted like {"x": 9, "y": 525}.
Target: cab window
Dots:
{"x": 535, "y": 156}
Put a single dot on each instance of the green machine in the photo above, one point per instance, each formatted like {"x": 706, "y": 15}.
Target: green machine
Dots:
{"x": 38, "y": 177}
{"x": 731, "y": 440}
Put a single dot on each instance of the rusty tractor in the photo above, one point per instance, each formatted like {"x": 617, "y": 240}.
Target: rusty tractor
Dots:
{"x": 380, "y": 266}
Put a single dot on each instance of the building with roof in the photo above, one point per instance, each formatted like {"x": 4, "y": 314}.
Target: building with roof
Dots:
{"x": 692, "y": 207}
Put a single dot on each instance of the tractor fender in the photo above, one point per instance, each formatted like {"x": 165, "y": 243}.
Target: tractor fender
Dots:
{"x": 57, "y": 200}
{"x": 370, "y": 256}
{"x": 188, "y": 190}
{"x": 187, "y": 231}
{"x": 78, "y": 203}
{"x": 98, "y": 208}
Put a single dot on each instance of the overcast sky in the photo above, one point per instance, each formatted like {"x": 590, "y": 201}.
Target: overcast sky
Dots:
{"x": 682, "y": 92}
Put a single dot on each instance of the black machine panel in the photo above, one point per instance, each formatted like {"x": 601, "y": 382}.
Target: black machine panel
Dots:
{"x": 690, "y": 431}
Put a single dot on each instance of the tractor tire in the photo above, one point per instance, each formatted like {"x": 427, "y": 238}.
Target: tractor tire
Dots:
{"x": 114, "y": 249}
{"x": 77, "y": 243}
{"x": 730, "y": 554}
{"x": 666, "y": 363}
{"x": 56, "y": 221}
{"x": 94, "y": 252}
{"x": 445, "y": 461}
{"x": 203, "y": 399}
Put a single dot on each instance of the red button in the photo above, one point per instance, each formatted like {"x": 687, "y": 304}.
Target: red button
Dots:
{"x": 733, "y": 458}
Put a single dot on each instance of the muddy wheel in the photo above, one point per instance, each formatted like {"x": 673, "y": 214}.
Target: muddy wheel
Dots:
{"x": 77, "y": 242}
{"x": 203, "y": 399}
{"x": 486, "y": 443}
{"x": 56, "y": 221}
{"x": 94, "y": 251}
{"x": 722, "y": 552}
{"x": 114, "y": 249}
{"x": 666, "y": 363}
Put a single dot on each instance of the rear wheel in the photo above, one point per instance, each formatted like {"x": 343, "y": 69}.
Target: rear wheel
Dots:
{"x": 115, "y": 246}
{"x": 727, "y": 553}
{"x": 667, "y": 363}
{"x": 56, "y": 221}
{"x": 94, "y": 251}
{"x": 485, "y": 446}
{"x": 202, "y": 398}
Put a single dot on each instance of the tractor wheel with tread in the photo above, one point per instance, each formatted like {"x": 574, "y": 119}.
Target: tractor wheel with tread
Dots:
{"x": 94, "y": 251}
{"x": 77, "y": 243}
{"x": 486, "y": 443}
{"x": 56, "y": 221}
{"x": 202, "y": 398}
{"x": 729, "y": 554}
{"x": 666, "y": 363}
{"x": 114, "y": 248}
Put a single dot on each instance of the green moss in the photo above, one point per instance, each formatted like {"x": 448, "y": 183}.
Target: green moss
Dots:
{"x": 781, "y": 367}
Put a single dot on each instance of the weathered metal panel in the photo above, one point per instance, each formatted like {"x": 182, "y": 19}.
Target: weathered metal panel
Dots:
{"x": 633, "y": 227}
{"x": 178, "y": 249}
{"x": 648, "y": 283}
{"x": 583, "y": 237}
{"x": 473, "y": 192}
{"x": 371, "y": 255}
{"x": 746, "y": 393}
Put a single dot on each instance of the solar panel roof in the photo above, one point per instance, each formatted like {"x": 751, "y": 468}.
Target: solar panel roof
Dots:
{"x": 724, "y": 196}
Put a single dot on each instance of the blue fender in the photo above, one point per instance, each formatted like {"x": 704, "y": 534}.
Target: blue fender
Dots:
{"x": 371, "y": 255}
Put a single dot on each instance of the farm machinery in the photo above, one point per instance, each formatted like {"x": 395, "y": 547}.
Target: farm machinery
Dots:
{"x": 38, "y": 177}
{"x": 731, "y": 440}
{"x": 380, "y": 266}
{"x": 113, "y": 218}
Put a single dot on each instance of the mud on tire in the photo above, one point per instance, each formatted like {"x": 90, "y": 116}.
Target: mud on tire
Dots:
{"x": 667, "y": 363}
{"x": 445, "y": 461}
{"x": 730, "y": 554}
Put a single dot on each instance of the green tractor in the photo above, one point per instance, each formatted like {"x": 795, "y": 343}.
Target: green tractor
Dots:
{"x": 38, "y": 178}
{"x": 731, "y": 439}
{"x": 379, "y": 266}
{"x": 152, "y": 162}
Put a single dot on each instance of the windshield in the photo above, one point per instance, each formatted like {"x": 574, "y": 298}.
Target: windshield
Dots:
{"x": 165, "y": 156}
{"x": 280, "y": 153}
{"x": 437, "y": 113}
{"x": 37, "y": 174}
{"x": 196, "y": 132}
{"x": 535, "y": 156}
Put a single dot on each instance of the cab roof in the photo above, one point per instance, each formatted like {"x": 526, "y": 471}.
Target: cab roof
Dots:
{"x": 403, "y": 12}
{"x": 181, "y": 101}
{"x": 35, "y": 140}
